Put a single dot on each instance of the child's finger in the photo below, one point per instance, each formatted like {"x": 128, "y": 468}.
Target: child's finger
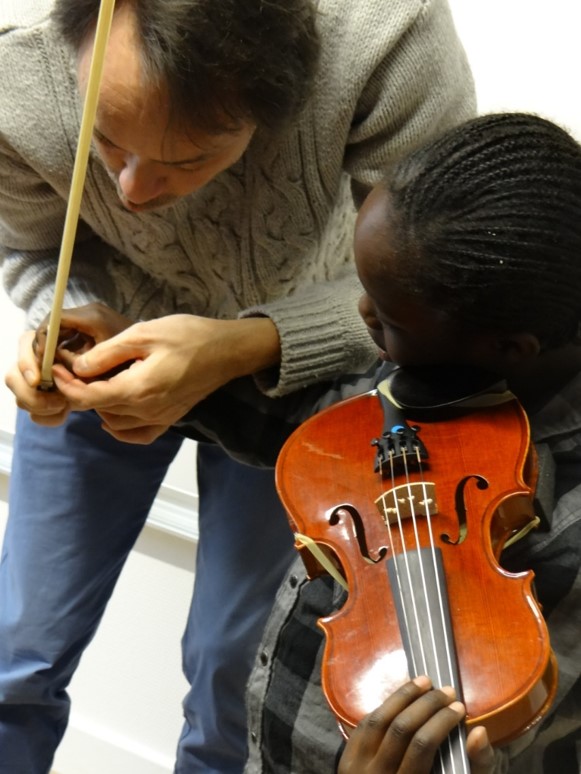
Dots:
{"x": 421, "y": 747}
{"x": 480, "y": 751}
{"x": 366, "y": 739}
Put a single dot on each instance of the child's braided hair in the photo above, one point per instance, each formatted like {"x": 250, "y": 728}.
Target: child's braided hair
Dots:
{"x": 488, "y": 225}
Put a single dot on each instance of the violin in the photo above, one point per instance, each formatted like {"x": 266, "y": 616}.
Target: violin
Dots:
{"x": 413, "y": 507}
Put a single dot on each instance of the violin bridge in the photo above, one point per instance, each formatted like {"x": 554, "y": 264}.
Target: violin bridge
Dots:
{"x": 407, "y": 500}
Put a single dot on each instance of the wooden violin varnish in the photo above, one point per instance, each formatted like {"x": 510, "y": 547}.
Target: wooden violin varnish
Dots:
{"x": 413, "y": 509}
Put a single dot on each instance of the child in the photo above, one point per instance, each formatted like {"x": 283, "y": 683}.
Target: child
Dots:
{"x": 469, "y": 254}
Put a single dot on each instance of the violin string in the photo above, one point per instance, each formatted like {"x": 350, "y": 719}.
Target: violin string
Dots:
{"x": 404, "y": 553}
{"x": 420, "y": 636}
{"x": 406, "y": 561}
{"x": 400, "y": 591}
{"x": 439, "y": 591}
{"x": 391, "y": 542}
{"x": 414, "y": 518}
{"x": 440, "y": 599}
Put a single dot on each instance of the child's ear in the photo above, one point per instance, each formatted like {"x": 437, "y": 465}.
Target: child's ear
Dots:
{"x": 517, "y": 348}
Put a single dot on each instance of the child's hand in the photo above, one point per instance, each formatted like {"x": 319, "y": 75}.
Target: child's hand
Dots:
{"x": 403, "y": 735}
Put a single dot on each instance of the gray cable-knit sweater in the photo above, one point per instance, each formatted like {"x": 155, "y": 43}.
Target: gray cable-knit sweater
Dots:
{"x": 272, "y": 235}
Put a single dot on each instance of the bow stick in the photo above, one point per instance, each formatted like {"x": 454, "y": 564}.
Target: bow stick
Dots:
{"x": 102, "y": 30}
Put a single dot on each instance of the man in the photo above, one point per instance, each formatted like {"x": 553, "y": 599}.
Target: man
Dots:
{"x": 217, "y": 217}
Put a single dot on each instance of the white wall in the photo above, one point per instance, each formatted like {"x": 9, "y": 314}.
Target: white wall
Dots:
{"x": 525, "y": 56}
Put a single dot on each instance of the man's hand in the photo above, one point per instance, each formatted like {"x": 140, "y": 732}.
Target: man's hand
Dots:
{"x": 45, "y": 408}
{"x": 176, "y": 361}
{"x": 81, "y": 328}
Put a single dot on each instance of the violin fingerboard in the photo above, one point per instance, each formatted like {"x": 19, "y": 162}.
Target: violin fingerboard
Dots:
{"x": 419, "y": 589}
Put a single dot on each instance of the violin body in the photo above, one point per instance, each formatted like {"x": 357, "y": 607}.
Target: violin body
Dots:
{"x": 482, "y": 472}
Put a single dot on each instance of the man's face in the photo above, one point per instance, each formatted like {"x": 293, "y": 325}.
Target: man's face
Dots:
{"x": 151, "y": 163}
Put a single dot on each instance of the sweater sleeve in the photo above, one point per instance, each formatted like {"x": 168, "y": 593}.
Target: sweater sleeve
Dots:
{"x": 422, "y": 87}
{"x": 404, "y": 76}
{"x": 30, "y": 233}
{"x": 252, "y": 427}
{"x": 32, "y": 209}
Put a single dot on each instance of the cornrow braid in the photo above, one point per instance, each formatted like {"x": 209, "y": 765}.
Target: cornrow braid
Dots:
{"x": 488, "y": 225}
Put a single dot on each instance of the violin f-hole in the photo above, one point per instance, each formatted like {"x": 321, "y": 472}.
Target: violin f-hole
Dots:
{"x": 340, "y": 512}
{"x": 481, "y": 483}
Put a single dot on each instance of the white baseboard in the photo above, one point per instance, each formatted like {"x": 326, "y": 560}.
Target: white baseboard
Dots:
{"x": 174, "y": 511}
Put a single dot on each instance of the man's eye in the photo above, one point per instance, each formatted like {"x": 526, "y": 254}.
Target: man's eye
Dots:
{"x": 104, "y": 141}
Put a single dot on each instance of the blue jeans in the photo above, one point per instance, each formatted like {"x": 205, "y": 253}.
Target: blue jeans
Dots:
{"x": 78, "y": 500}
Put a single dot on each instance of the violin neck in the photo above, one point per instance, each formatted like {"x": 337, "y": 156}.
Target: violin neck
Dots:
{"x": 452, "y": 757}
{"x": 419, "y": 588}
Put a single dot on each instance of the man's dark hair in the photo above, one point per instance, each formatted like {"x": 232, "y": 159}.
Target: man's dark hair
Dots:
{"x": 487, "y": 224}
{"x": 223, "y": 61}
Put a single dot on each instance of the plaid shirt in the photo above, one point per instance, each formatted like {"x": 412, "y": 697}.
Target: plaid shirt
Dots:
{"x": 291, "y": 729}
{"x": 253, "y": 427}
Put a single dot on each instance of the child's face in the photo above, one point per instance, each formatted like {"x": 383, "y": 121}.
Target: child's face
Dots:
{"x": 405, "y": 330}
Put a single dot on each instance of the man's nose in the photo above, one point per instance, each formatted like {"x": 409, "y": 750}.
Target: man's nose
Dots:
{"x": 141, "y": 181}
